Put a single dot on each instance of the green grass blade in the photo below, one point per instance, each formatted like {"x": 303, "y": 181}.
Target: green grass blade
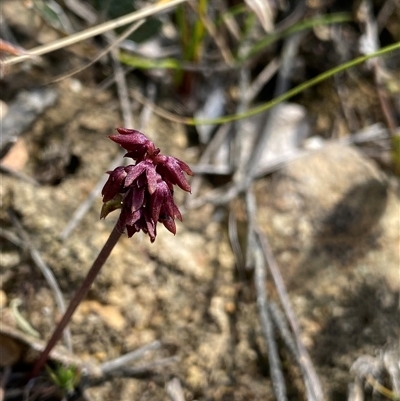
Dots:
{"x": 298, "y": 89}
{"x": 147, "y": 63}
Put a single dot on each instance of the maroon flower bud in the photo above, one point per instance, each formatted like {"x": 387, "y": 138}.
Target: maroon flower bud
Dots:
{"x": 114, "y": 183}
{"x": 169, "y": 223}
{"x": 136, "y": 143}
{"x": 146, "y": 166}
{"x": 162, "y": 202}
{"x": 144, "y": 190}
{"x": 142, "y": 222}
{"x": 172, "y": 169}
{"x": 134, "y": 198}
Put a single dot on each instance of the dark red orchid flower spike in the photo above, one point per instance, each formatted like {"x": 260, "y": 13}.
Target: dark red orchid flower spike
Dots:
{"x": 144, "y": 190}
{"x": 144, "y": 193}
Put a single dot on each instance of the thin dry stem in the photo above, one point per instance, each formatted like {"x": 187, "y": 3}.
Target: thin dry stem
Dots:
{"x": 277, "y": 377}
{"x": 101, "y": 54}
{"x": 97, "y": 30}
{"x": 305, "y": 360}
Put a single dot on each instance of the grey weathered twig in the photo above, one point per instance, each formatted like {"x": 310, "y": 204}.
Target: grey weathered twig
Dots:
{"x": 140, "y": 370}
{"x": 245, "y": 174}
{"x": 306, "y": 364}
{"x": 120, "y": 362}
{"x": 278, "y": 380}
{"x": 284, "y": 331}
{"x": 11, "y": 237}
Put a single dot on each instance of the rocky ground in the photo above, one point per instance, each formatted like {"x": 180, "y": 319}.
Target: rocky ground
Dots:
{"x": 331, "y": 217}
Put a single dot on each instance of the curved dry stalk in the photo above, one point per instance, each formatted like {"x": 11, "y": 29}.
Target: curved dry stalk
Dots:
{"x": 94, "y": 31}
{"x": 297, "y": 89}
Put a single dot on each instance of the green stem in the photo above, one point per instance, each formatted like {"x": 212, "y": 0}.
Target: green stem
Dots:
{"x": 295, "y": 91}
{"x": 77, "y": 298}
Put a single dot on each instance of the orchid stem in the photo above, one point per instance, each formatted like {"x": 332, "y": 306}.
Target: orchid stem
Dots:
{"x": 77, "y": 298}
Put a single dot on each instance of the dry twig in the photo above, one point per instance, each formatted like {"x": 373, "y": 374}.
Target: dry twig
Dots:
{"x": 313, "y": 384}
{"x": 278, "y": 380}
{"x": 119, "y": 363}
{"x": 97, "y": 30}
